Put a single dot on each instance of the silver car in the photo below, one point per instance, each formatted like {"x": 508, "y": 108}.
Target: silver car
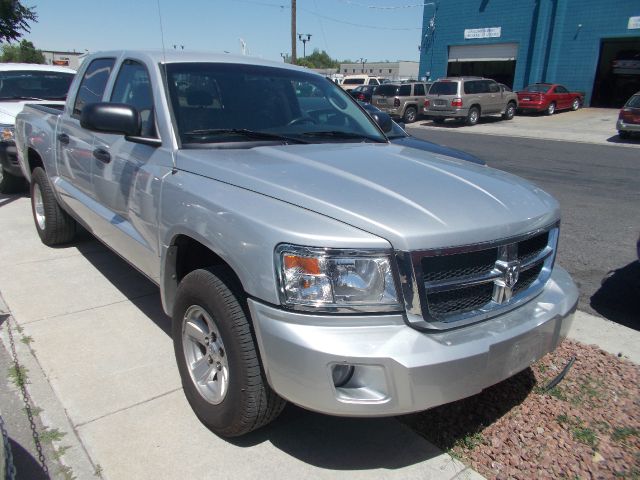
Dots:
{"x": 467, "y": 99}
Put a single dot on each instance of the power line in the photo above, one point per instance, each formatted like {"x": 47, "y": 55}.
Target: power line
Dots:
{"x": 383, "y": 7}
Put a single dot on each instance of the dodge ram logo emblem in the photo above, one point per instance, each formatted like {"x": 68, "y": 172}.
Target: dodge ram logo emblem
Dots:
{"x": 503, "y": 285}
{"x": 511, "y": 275}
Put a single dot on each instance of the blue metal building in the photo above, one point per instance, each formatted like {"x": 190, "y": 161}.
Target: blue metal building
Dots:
{"x": 588, "y": 45}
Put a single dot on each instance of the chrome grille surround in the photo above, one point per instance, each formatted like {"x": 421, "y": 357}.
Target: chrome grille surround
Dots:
{"x": 481, "y": 281}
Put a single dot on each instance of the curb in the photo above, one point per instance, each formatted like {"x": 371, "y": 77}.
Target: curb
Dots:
{"x": 53, "y": 414}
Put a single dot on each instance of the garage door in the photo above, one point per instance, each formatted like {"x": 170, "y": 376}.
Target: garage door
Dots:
{"x": 498, "y": 52}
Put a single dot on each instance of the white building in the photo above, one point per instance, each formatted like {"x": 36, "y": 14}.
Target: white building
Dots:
{"x": 64, "y": 59}
{"x": 402, "y": 70}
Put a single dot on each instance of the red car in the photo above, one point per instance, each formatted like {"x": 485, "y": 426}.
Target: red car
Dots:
{"x": 548, "y": 97}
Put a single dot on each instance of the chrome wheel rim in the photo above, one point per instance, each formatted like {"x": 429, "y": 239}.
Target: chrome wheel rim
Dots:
{"x": 411, "y": 115}
{"x": 474, "y": 117}
{"x": 552, "y": 108}
{"x": 205, "y": 355}
{"x": 38, "y": 207}
{"x": 1, "y": 174}
{"x": 576, "y": 104}
{"x": 511, "y": 111}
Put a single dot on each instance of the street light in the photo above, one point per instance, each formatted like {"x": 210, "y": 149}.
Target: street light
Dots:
{"x": 363, "y": 61}
{"x": 301, "y": 37}
{"x": 284, "y": 56}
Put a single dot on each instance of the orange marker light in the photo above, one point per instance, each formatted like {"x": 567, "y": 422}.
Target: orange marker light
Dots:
{"x": 310, "y": 266}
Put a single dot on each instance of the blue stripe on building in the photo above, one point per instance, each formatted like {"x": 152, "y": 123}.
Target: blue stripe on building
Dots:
{"x": 586, "y": 45}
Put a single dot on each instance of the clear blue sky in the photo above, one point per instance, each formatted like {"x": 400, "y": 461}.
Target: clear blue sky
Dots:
{"x": 341, "y": 27}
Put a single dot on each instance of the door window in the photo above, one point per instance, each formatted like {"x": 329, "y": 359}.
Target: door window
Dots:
{"x": 133, "y": 87}
{"x": 93, "y": 83}
{"x": 493, "y": 87}
{"x": 418, "y": 89}
{"x": 405, "y": 90}
{"x": 374, "y": 81}
{"x": 561, "y": 89}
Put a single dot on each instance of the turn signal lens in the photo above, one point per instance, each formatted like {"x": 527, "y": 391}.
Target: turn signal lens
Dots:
{"x": 310, "y": 266}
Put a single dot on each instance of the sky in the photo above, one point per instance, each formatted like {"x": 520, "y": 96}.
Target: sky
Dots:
{"x": 376, "y": 30}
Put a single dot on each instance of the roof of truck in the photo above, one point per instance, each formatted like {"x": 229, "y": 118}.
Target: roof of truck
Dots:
{"x": 5, "y": 67}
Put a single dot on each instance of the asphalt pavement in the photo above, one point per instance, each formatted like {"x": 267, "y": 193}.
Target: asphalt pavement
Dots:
{"x": 598, "y": 187}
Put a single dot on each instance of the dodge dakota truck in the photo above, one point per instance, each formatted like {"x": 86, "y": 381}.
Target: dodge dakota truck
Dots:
{"x": 301, "y": 255}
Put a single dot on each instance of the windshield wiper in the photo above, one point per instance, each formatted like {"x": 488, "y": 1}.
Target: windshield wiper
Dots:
{"x": 206, "y": 132}
{"x": 342, "y": 134}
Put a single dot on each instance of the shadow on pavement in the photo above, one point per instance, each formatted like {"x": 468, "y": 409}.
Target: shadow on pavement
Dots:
{"x": 7, "y": 199}
{"x": 618, "y": 298}
{"x": 456, "y": 123}
{"x": 340, "y": 443}
{"x": 27, "y": 467}
{"x": 624, "y": 141}
{"x": 448, "y": 424}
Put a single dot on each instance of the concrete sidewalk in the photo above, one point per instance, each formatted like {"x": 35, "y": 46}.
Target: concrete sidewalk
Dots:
{"x": 587, "y": 125}
{"x": 104, "y": 372}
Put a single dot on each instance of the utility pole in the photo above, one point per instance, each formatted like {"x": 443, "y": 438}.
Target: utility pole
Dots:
{"x": 293, "y": 32}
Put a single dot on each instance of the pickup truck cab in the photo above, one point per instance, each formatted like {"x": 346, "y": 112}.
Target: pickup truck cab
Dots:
{"x": 301, "y": 255}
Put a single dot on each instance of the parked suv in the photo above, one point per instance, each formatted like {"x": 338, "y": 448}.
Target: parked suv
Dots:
{"x": 468, "y": 99}
{"x": 401, "y": 100}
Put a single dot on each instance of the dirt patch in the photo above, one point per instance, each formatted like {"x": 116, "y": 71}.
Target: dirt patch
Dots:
{"x": 588, "y": 426}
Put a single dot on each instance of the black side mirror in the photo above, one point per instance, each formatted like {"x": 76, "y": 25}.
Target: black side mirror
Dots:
{"x": 383, "y": 120}
{"x": 111, "y": 118}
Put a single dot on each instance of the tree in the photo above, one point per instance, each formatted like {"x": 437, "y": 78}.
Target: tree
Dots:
{"x": 318, "y": 59}
{"x": 14, "y": 19}
{"x": 24, "y": 52}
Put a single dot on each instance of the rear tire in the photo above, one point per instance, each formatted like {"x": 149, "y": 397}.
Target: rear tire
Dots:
{"x": 410, "y": 115}
{"x": 551, "y": 109}
{"x": 509, "y": 112}
{"x": 229, "y": 394}
{"x": 53, "y": 224}
{"x": 10, "y": 183}
{"x": 473, "y": 116}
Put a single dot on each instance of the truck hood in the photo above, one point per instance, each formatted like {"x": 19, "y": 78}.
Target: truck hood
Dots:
{"x": 9, "y": 110}
{"x": 414, "y": 199}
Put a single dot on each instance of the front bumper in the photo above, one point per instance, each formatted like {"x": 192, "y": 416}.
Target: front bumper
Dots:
{"x": 9, "y": 158}
{"x": 397, "y": 368}
{"x": 627, "y": 127}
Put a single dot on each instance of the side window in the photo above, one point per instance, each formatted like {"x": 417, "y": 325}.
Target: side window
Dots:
{"x": 93, "y": 83}
{"x": 561, "y": 89}
{"x": 494, "y": 87}
{"x": 405, "y": 90}
{"x": 133, "y": 87}
{"x": 418, "y": 89}
{"x": 470, "y": 87}
{"x": 374, "y": 81}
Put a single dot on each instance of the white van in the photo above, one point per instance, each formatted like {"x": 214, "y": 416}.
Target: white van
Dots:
{"x": 352, "y": 81}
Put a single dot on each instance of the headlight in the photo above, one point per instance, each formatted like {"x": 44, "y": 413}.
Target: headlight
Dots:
{"x": 334, "y": 279}
{"x": 6, "y": 132}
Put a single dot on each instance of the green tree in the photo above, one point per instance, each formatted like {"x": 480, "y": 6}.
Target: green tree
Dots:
{"x": 318, "y": 59}
{"x": 14, "y": 19}
{"x": 24, "y": 52}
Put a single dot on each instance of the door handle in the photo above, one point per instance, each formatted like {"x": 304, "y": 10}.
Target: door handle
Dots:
{"x": 64, "y": 138}
{"x": 102, "y": 155}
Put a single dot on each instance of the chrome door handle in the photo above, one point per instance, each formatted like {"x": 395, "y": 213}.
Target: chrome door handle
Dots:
{"x": 102, "y": 155}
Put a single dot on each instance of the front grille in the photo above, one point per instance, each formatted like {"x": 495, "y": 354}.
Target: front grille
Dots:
{"x": 472, "y": 281}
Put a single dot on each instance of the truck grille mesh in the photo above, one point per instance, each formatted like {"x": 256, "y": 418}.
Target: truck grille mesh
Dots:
{"x": 461, "y": 284}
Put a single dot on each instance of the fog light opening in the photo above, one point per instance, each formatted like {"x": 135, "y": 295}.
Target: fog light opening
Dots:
{"x": 342, "y": 374}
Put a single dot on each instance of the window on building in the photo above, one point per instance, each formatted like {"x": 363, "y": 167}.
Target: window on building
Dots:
{"x": 389, "y": 70}
{"x": 371, "y": 70}
{"x": 354, "y": 70}
{"x": 380, "y": 71}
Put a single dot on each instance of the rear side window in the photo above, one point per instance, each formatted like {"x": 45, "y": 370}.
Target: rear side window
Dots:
{"x": 561, "y": 89}
{"x": 353, "y": 81}
{"x": 493, "y": 87}
{"x": 405, "y": 90}
{"x": 634, "y": 102}
{"x": 418, "y": 89}
{"x": 93, "y": 83}
{"x": 444, "y": 88}
{"x": 374, "y": 81}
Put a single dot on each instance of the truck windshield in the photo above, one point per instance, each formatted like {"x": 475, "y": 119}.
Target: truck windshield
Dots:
{"x": 34, "y": 85}
{"x": 226, "y": 102}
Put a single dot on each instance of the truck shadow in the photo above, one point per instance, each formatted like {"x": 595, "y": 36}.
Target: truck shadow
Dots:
{"x": 618, "y": 298}
{"x": 624, "y": 141}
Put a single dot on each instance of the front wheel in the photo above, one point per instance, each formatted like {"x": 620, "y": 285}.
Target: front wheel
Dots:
{"x": 509, "y": 112}
{"x": 217, "y": 357}
{"x": 410, "y": 115}
{"x": 53, "y": 224}
{"x": 575, "y": 105}
{"x": 551, "y": 109}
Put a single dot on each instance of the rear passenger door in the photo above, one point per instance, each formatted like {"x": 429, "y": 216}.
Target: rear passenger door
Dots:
{"x": 127, "y": 175}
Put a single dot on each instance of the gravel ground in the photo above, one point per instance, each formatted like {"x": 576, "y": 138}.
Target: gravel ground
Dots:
{"x": 588, "y": 426}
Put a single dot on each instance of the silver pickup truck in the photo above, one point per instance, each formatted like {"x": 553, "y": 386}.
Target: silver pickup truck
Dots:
{"x": 301, "y": 255}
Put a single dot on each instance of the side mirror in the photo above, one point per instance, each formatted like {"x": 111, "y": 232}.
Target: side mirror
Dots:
{"x": 111, "y": 118}
{"x": 383, "y": 120}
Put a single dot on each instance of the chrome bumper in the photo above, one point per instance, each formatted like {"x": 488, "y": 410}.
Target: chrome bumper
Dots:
{"x": 627, "y": 127}
{"x": 397, "y": 368}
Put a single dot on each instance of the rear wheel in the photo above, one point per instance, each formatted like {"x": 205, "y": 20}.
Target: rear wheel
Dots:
{"x": 217, "y": 357}
{"x": 53, "y": 224}
{"x": 509, "y": 111}
{"x": 551, "y": 109}
{"x": 473, "y": 116}
{"x": 10, "y": 183}
{"x": 575, "y": 105}
{"x": 410, "y": 115}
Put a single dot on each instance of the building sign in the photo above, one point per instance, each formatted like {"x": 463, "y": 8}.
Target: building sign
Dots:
{"x": 490, "y": 32}
{"x": 634, "y": 22}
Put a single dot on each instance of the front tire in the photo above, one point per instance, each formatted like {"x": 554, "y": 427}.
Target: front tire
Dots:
{"x": 551, "y": 109}
{"x": 10, "y": 183}
{"x": 410, "y": 115}
{"x": 575, "y": 105}
{"x": 53, "y": 224}
{"x": 217, "y": 357}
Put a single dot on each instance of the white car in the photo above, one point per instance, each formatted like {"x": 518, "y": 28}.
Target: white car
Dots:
{"x": 22, "y": 83}
{"x": 352, "y": 81}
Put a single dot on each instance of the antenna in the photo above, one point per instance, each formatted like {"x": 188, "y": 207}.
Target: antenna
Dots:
{"x": 163, "y": 70}
{"x": 164, "y": 55}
